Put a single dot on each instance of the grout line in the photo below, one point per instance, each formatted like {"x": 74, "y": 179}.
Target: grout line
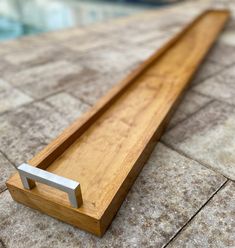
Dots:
{"x": 68, "y": 91}
{"x": 51, "y": 40}
{"x": 204, "y": 79}
{"x": 212, "y": 61}
{"x": 223, "y": 68}
{"x": 202, "y": 94}
{"x": 190, "y": 115}
{"x": 8, "y": 159}
{"x": 77, "y": 98}
{"x": 3, "y": 190}
{"x": 200, "y": 162}
{"x": 215, "y": 99}
{"x": 35, "y": 100}
{"x": 32, "y": 102}
{"x": 195, "y": 214}
{"x": 2, "y": 243}
{"x": 88, "y": 106}
{"x": 82, "y": 100}
{"x": 225, "y": 103}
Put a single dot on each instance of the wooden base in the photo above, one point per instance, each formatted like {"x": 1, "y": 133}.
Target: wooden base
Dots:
{"x": 106, "y": 148}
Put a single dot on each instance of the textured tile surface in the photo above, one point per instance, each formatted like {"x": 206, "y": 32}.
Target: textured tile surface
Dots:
{"x": 228, "y": 38}
{"x": 70, "y": 107}
{"x": 10, "y": 97}
{"x": 107, "y": 60}
{"x": 35, "y": 57}
{"x": 65, "y": 35}
{"x": 216, "y": 220}
{"x": 208, "y": 137}
{"x": 42, "y": 80}
{"x": 166, "y": 194}
{"x": 136, "y": 37}
{"x": 5, "y": 67}
{"x": 220, "y": 87}
{"x": 6, "y": 170}
{"x": 26, "y": 130}
{"x": 158, "y": 43}
{"x": 206, "y": 70}
{"x": 25, "y": 43}
{"x": 191, "y": 103}
{"x": 96, "y": 87}
{"x": 222, "y": 54}
{"x": 87, "y": 42}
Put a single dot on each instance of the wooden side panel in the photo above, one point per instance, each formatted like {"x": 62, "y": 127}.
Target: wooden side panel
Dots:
{"x": 59, "y": 211}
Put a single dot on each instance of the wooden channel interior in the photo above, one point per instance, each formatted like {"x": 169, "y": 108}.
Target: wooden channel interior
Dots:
{"x": 101, "y": 158}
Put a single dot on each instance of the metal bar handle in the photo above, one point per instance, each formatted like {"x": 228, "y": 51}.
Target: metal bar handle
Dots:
{"x": 30, "y": 174}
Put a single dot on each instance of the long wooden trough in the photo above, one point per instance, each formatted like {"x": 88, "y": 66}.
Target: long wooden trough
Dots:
{"x": 83, "y": 176}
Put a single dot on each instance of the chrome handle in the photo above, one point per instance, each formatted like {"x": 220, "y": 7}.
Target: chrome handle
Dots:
{"x": 30, "y": 174}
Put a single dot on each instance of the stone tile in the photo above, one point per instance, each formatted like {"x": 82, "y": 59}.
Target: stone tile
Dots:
{"x": 163, "y": 22}
{"x": 9, "y": 46}
{"x": 7, "y": 169}
{"x": 214, "y": 225}
{"x": 228, "y": 38}
{"x": 24, "y": 43}
{"x": 166, "y": 195}
{"x": 191, "y": 103}
{"x": 222, "y": 54}
{"x": 94, "y": 89}
{"x": 109, "y": 27}
{"x": 43, "y": 80}
{"x": 158, "y": 43}
{"x": 28, "y": 129}
{"x": 70, "y": 107}
{"x": 5, "y": 67}
{"x": 231, "y": 24}
{"x": 111, "y": 65}
{"x": 140, "y": 37}
{"x": 206, "y": 70}
{"x": 34, "y": 41}
{"x": 2, "y": 245}
{"x": 67, "y": 34}
{"x": 136, "y": 53}
{"x": 108, "y": 60}
{"x": 4, "y": 86}
{"x": 207, "y": 137}
{"x": 34, "y": 57}
{"x": 220, "y": 87}
{"x": 148, "y": 29}
{"x": 87, "y": 43}
{"x": 10, "y": 97}
{"x": 191, "y": 10}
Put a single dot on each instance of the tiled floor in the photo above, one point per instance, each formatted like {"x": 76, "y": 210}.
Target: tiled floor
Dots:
{"x": 184, "y": 196}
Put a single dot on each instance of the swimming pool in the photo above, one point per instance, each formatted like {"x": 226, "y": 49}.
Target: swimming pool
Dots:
{"x": 26, "y": 17}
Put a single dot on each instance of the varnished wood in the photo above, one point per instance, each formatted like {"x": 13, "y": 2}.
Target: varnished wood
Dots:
{"x": 106, "y": 148}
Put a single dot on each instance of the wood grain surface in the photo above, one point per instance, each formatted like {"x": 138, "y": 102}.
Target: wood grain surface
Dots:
{"x": 107, "y": 148}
